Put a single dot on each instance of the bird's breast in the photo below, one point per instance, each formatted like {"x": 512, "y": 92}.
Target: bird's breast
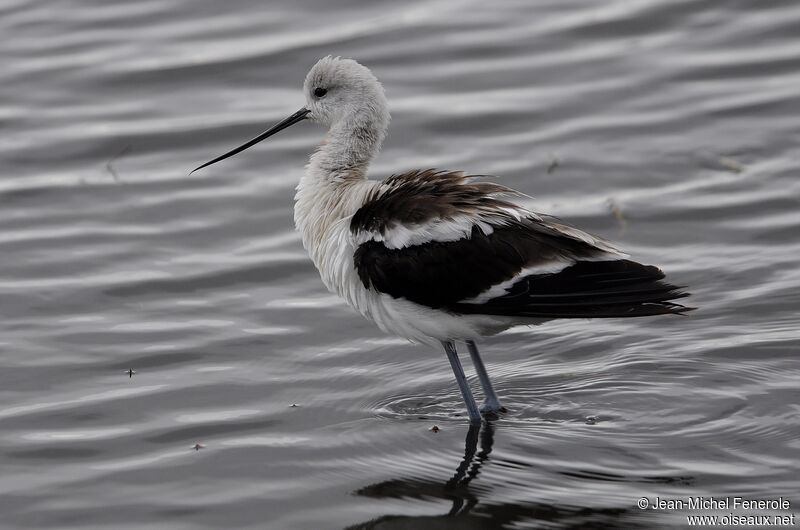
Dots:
{"x": 322, "y": 215}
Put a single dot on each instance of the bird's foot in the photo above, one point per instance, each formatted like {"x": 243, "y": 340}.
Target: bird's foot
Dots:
{"x": 492, "y": 410}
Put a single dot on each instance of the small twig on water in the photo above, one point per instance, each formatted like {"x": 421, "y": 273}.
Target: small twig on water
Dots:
{"x": 110, "y": 163}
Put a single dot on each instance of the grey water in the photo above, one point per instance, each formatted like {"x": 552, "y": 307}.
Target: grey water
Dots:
{"x": 259, "y": 400}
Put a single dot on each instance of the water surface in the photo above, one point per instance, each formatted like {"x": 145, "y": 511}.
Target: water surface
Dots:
{"x": 670, "y": 128}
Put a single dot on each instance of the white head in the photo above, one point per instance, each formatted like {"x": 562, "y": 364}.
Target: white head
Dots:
{"x": 344, "y": 96}
{"x": 341, "y": 90}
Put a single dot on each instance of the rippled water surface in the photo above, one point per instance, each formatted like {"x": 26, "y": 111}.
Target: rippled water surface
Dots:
{"x": 669, "y": 127}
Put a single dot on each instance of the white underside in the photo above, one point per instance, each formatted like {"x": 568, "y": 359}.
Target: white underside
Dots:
{"x": 423, "y": 324}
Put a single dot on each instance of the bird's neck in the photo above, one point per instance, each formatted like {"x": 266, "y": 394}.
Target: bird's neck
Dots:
{"x": 348, "y": 148}
{"x": 335, "y": 182}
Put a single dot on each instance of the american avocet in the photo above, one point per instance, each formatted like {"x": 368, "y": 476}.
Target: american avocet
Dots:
{"x": 437, "y": 256}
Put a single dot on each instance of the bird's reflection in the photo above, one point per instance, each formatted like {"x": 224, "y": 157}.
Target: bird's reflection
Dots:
{"x": 457, "y": 489}
{"x": 463, "y": 500}
{"x": 474, "y": 507}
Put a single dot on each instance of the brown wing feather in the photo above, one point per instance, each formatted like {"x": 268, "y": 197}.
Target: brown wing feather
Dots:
{"x": 423, "y": 195}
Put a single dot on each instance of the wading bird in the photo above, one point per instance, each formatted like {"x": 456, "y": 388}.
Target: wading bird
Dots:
{"x": 438, "y": 256}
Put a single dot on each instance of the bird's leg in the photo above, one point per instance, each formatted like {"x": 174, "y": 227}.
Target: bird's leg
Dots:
{"x": 461, "y": 379}
{"x": 491, "y": 405}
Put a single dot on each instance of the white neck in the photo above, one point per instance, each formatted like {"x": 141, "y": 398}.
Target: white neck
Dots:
{"x": 349, "y": 147}
{"x": 335, "y": 182}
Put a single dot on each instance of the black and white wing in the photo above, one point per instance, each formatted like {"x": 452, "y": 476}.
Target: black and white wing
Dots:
{"x": 443, "y": 241}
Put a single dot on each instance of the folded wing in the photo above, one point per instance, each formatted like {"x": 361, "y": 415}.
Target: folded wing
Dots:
{"x": 471, "y": 252}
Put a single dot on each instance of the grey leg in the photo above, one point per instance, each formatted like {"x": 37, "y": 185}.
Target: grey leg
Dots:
{"x": 461, "y": 379}
{"x": 490, "y": 404}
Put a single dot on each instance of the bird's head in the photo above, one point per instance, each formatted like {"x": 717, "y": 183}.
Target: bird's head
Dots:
{"x": 340, "y": 90}
{"x": 339, "y": 93}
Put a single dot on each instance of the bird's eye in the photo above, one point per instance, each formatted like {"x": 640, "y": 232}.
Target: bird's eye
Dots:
{"x": 319, "y": 92}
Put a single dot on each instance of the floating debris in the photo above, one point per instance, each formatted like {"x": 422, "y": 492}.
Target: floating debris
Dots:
{"x": 110, "y": 163}
{"x": 591, "y": 420}
{"x": 435, "y": 428}
{"x": 130, "y": 372}
{"x": 198, "y": 446}
{"x": 730, "y": 164}
{"x": 554, "y": 163}
{"x": 719, "y": 162}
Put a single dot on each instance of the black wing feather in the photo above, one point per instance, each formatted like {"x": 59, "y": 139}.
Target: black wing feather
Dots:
{"x": 620, "y": 288}
{"x": 441, "y": 275}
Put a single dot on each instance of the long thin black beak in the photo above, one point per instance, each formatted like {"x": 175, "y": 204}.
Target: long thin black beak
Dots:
{"x": 298, "y": 116}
